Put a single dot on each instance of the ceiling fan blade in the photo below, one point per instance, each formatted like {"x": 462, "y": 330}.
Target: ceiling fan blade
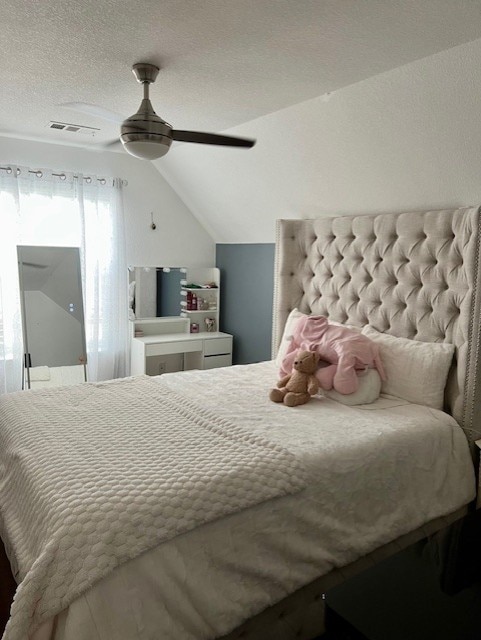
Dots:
{"x": 94, "y": 110}
{"x": 34, "y": 265}
{"x": 112, "y": 144}
{"x": 211, "y": 138}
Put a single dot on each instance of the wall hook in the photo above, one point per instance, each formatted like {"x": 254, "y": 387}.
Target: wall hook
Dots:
{"x": 153, "y": 226}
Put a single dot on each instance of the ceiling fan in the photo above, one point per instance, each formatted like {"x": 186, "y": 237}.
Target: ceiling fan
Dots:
{"x": 144, "y": 134}
{"x": 34, "y": 265}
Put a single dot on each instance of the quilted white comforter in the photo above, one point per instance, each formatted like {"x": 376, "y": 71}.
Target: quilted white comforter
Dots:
{"x": 96, "y": 474}
{"x": 375, "y": 473}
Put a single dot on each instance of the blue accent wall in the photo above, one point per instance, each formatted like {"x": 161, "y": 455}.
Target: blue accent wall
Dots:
{"x": 247, "y": 287}
{"x": 168, "y": 292}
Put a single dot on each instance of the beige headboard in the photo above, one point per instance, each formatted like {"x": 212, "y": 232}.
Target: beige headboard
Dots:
{"x": 414, "y": 275}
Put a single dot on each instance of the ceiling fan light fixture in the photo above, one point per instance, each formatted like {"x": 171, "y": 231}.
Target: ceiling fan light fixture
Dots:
{"x": 147, "y": 149}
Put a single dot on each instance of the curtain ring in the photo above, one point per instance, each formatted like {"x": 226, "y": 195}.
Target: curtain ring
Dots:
{"x": 102, "y": 181}
{"x": 18, "y": 171}
{"x": 9, "y": 170}
{"x": 88, "y": 180}
{"x": 39, "y": 174}
{"x": 62, "y": 176}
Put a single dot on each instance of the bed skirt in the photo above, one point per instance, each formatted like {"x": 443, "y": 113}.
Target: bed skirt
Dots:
{"x": 300, "y": 616}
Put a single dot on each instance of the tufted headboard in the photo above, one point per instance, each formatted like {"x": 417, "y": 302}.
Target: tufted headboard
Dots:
{"x": 413, "y": 275}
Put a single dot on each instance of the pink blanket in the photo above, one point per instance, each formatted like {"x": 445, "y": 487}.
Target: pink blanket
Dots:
{"x": 343, "y": 353}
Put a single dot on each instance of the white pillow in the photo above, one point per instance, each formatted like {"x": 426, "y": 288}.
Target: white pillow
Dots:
{"x": 289, "y": 327}
{"x": 369, "y": 390}
{"x": 415, "y": 371}
{"x": 131, "y": 300}
{"x": 131, "y": 293}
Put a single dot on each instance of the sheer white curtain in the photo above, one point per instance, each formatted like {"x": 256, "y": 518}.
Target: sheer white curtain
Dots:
{"x": 11, "y": 345}
{"x": 42, "y": 208}
{"x": 104, "y": 279}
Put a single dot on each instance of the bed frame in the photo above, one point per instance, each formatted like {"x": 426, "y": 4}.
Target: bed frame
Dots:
{"x": 413, "y": 275}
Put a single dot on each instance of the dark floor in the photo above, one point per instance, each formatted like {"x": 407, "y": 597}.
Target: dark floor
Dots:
{"x": 7, "y": 588}
{"x": 429, "y": 591}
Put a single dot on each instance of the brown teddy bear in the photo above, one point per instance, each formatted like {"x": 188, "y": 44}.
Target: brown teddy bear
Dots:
{"x": 297, "y": 387}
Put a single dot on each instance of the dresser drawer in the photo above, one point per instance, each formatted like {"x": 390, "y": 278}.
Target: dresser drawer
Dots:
{"x": 213, "y": 362}
{"x": 217, "y": 346}
{"x": 180, "y": 346}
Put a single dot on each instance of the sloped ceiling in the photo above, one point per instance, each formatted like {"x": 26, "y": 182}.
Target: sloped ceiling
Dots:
{"x": 404, "y": 140}
{"x": 224, "y": 63}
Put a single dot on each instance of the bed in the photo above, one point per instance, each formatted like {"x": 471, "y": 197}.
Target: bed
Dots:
{"x": 393, "y": 470}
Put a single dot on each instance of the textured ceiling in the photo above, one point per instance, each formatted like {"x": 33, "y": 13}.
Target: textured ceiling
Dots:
{"x": 224, "y": 62}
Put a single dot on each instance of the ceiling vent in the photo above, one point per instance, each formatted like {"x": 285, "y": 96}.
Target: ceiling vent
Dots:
{"x": 72, "y": 128}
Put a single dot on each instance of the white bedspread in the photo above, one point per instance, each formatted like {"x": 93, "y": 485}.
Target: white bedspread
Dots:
{"x": 96, "y": 474}
{"x": 377, "y": 473}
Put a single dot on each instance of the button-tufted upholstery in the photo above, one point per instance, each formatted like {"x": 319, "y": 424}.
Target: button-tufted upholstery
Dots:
{"x": 414, "y": 275}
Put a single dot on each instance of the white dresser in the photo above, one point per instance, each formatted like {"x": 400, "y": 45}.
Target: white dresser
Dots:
{"x": 170, "y": 337}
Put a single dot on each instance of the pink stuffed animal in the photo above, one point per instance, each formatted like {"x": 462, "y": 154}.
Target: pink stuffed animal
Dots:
{"x": 342, "y": 352}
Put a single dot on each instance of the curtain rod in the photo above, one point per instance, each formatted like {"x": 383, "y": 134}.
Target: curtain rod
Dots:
{"x": 62, "y": 176}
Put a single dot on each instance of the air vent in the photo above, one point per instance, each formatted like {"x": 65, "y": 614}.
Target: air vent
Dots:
{"x": 72, "y": 128}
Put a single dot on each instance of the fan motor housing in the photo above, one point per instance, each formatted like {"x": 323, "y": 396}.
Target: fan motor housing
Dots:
{"x": 145, "y": 135}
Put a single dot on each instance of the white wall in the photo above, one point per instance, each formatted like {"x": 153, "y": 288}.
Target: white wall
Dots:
{"x": 404, "y": 140}
{"x": 179, "y": 239}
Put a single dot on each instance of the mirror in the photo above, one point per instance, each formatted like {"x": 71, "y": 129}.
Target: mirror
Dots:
{"x": 155, "y": 291}
{"x": 52, "y": 316}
